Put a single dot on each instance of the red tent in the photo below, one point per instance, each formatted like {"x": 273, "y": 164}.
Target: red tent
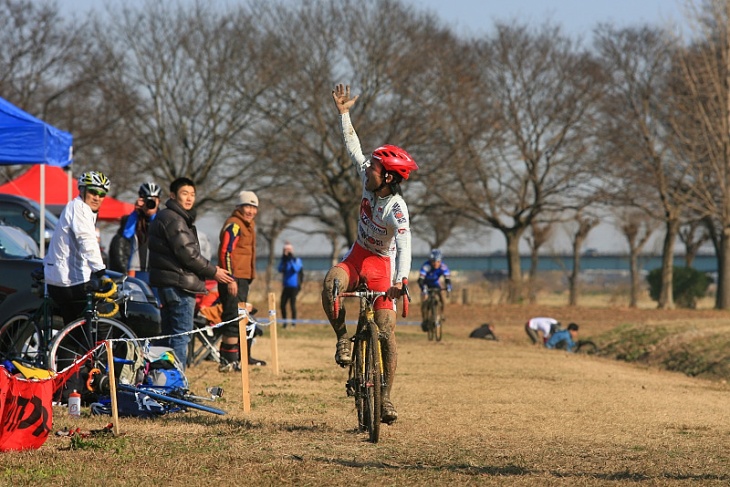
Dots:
{"x": 57, "y": 186}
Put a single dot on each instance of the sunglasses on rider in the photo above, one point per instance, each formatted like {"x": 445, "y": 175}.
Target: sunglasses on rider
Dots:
{"x": 96, "y": 192}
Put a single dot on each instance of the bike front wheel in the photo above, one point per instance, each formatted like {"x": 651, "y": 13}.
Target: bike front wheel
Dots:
{"x": 76, "y": 339}
{"x": 373, "y": 383}
{"x": 431, "y": 318}
{"x": 22, "y": 340}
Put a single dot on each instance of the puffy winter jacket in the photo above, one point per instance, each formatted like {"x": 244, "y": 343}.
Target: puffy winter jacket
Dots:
{"x": 175, "y": 258}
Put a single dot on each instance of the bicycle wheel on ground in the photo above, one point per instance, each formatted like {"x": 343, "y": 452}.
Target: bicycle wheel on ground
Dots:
{"x": 586, "y": 347}
{"x": 374, "y": 383}
{"x": 22, "y": 340}
{"x": 431, "y": 316}
{"x": 76, "y": 339}
{"x": 437, "y": 329}
{"x": 357, "y": 380}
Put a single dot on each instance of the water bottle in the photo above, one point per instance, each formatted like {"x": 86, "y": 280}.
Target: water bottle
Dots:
{"x": 74, "y": 404}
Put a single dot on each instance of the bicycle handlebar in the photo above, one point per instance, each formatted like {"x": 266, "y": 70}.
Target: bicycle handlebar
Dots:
{"x": 368, "y": 294}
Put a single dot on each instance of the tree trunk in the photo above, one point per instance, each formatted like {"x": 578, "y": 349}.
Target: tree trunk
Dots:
{"x": 573, "y": 279}
{"x": 723, "y": 271}
{"x": 534, "y": 261}
{"x": 666, "y": 295}
{"x": 634, "y": 273}
{"x": 514, "y": 294}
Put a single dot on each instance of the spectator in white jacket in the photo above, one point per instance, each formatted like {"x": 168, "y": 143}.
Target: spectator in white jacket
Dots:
{"x": 74, "y": 257}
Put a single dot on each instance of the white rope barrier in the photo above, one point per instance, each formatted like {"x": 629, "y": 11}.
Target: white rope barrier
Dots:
{"x": 250, "y": 329}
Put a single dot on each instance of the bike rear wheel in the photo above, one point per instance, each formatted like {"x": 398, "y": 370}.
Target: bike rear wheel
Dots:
{"x": 373, "y": 383}
{"x": 431, "y": 317}
{"x": 76, "y": 339}
{"x": 22, "y": 340}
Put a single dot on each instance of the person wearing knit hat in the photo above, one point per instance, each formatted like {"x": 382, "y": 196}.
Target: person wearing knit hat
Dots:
{"x": 237, "y": 254}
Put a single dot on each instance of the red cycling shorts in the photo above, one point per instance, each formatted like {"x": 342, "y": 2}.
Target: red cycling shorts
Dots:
{"x": 363, "y": 266}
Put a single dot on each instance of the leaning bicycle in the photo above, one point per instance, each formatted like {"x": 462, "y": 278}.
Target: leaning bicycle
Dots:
{"x": 432, "y": 318}
{"x": 365, "y": 380}
{"x": 38, "y": 340}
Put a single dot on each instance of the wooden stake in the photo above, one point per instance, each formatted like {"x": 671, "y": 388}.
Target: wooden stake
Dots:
{"x": 272, "y": 327}
{"x": 112, "y": 387}
{"x": 243, "y": 346}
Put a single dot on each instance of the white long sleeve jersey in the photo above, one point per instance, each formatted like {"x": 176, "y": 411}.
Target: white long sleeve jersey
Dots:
{"x": 74, "y": 253}
{"x": 384, "y": 224}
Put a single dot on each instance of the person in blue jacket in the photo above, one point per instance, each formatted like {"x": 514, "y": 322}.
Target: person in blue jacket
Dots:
{"x": 291, "y": 269}
{"x": 564, "y": 339}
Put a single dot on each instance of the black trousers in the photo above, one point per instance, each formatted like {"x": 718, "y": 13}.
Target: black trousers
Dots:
{"x": 70, "y": 301}
{"x": 289, "y": 295}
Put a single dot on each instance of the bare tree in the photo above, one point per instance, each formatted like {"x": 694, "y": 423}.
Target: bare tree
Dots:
{"x": 638, "y": 228}
{"x": 644, "y": 169}
{"x": 536, "y": 154}
{"x": 187, "y": 88}
{"x": 384, "y": 50}
{"x": 539, "y": 234}
{"x": 693, "y": 235}
{"x": 50, "y": 67}
{"x": 584, "y": 223}
{"x": 703, "y": 98}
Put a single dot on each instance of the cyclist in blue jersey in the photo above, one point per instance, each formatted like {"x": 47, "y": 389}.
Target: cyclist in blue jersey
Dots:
{"x": 429, "y": 278}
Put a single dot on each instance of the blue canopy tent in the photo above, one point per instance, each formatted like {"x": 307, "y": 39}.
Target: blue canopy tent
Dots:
{"x": 25, "y": 139}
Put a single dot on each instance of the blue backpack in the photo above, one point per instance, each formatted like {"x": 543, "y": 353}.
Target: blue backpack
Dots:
{"x": 163, "y": 371}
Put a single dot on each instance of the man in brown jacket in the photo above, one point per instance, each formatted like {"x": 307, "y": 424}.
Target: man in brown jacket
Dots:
{"x": 237, "y": 254}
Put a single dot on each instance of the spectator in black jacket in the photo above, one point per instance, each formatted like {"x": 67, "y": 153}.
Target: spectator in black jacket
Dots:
{"x": 177, "y": 268}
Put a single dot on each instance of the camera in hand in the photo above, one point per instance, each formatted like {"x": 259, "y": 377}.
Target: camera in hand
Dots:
{"x": 150, "y": 203}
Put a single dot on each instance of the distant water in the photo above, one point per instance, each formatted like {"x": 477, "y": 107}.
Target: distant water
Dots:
{"x": 498, "y": 263}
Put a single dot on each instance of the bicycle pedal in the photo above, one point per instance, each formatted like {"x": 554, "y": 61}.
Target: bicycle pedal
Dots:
{"x": 350, "y": 389}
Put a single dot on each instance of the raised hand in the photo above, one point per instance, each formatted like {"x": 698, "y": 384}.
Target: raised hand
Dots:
{"x": 342, "y": 98}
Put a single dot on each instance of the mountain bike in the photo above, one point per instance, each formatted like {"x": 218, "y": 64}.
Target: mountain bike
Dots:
{"x": 38, "y": 340}
{"x": 432, "y": 318}
{"x": 587, "y": 347}
{"x": 365, "y": 375}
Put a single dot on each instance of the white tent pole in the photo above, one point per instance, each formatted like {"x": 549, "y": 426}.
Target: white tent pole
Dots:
{"x": 42, "y": 239}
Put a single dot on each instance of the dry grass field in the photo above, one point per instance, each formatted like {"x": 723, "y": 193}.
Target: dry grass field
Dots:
{"x": 472, "y": 412}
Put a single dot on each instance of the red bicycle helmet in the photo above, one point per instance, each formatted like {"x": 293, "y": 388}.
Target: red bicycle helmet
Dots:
{"x": 395, "y": 159}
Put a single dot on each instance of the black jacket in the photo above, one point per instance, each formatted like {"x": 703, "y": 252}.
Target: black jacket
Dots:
{"x": 175, "y": 258}
{"x": 120, "y": 250}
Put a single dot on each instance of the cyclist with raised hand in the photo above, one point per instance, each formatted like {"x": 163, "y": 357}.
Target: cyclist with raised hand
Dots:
{"x": 429, "y": 277}
{"x": 381, "y": 256}
{"x": 74, "y": 257}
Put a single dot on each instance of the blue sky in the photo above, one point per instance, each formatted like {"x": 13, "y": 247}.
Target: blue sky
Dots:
{"x": 578, "y": 17}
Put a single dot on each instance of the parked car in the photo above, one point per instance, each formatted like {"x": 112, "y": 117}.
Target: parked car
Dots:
{"x": 17, "y": 242}
{"x": 18, "y": 294}
{"x": 24, "y": 213}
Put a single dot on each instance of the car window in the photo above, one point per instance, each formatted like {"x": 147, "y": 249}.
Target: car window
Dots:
{"x": 17, "y": 216}
{"x": 12, "y": 245}
{"x": 26, "y": 219}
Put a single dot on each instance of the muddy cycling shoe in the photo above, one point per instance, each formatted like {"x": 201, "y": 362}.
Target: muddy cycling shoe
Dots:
{"x": 424, "y": 326}
{"x": 226, "y": 367}
{"x": 388, "y": 413}
{"x": 255, "y": 361}
{"x": 342, "y": 356}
